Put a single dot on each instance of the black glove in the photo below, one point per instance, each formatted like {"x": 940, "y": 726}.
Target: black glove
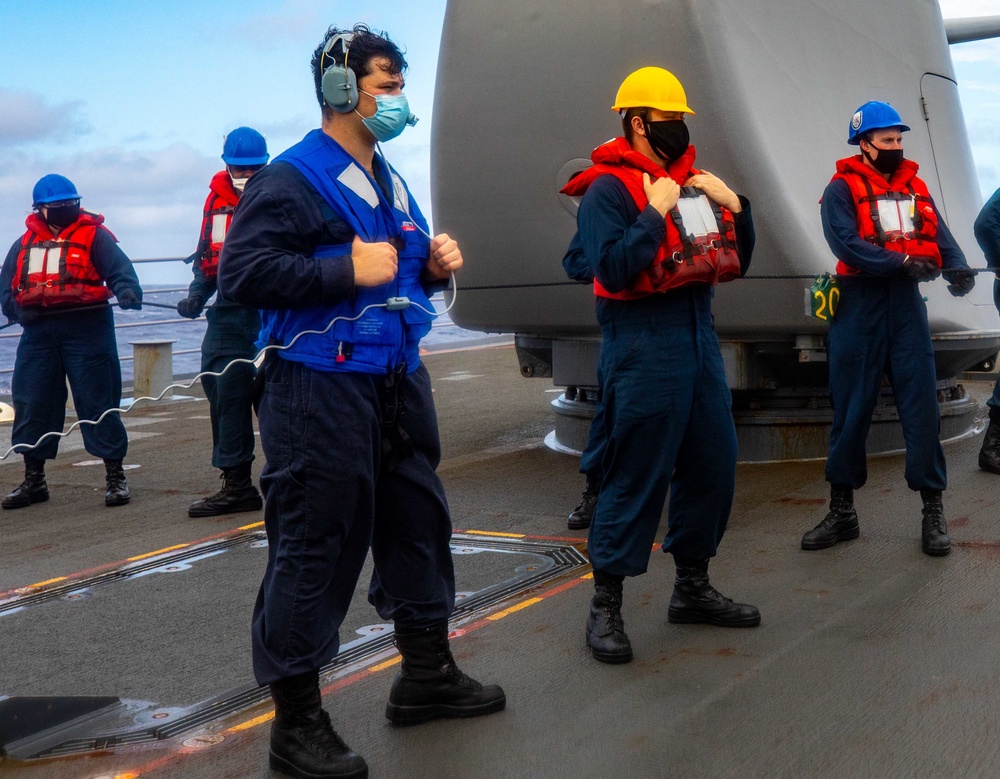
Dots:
{"x": 920, "y": 268}
{"x": 961, "y": 281}
{"x": 30, "y": 315}
{"x": 128, "y": 299}
{"x": 190, "y": 306}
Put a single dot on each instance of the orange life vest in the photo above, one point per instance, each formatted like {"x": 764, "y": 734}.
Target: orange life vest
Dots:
{"x": 699, "y": 246}
{"x": 217, "y": 217}
{"x": 896, "y": 214}
{"x": 58, "y": 270}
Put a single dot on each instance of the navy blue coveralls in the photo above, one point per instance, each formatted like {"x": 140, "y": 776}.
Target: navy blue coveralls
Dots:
{"x": 328, "y": 495}
{"x": 880, "y": 329}
{"x": 987, "y": 229}
{"x": 668, "y": 419}
{"x": 231, "y": 334}
{"x": 75, "y": 344}
{"x": 578, "y": 269}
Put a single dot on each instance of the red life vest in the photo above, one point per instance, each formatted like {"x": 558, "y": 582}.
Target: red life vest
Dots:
{"x": 699, "y": 246}
{"x": 217, "y": 217}
{"x": 896, "y": 214}
{"x": 58, "y": 271}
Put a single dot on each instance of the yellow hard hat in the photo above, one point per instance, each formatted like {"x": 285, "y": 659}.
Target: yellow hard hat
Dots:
{"x": 651, "y": 88}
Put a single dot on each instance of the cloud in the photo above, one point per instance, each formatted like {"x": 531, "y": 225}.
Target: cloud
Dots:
{"x": 981, "y": 86}
{"x": 976, "y": 51}
{"x": 26, "y": 117}
{"x": 152, "y": 199}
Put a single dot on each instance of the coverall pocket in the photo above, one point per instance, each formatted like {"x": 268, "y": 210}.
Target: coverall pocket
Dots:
{"x": 275, "y": 420}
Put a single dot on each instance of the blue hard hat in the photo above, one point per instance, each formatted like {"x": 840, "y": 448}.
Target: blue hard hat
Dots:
{"x": 245, "y": 146}
{"x": 53, "y": 188}
{"x": 873, "y": 115}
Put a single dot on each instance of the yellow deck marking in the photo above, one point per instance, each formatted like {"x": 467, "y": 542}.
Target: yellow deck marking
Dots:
{"x": 512, "y": 609}
{"x": 263, "y": 718}
{"x": 180, "y": 546}
{"x": 49, "y": 581}
{"x": 157, "y": 552}
{"x": 58, "y": 579}
{"x": 251, "y": 723}
{"x": 492, "y": 533}
{"x": 387, "y": 664}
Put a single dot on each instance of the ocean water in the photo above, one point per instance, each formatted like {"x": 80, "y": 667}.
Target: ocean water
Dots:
{"x": 164, "y": 324}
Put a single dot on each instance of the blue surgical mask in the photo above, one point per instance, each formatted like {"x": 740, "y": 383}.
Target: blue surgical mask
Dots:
{"x": 392, "y": 116}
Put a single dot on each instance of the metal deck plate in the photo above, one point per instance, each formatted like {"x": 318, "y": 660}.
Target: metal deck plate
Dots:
{"x": 171, "y": 617}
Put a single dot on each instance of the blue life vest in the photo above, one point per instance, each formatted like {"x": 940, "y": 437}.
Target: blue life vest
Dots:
{"x": 378, "y": 339}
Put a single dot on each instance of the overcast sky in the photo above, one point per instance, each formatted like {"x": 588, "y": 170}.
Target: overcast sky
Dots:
{"x": 131, "y": 100}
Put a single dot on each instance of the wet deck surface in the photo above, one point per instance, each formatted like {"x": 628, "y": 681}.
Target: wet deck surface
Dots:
{"x": 872, "y": 660}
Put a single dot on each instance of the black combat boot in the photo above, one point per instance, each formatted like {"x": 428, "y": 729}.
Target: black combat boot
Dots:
{"x": 840, "y": 524}
{"x": 934, "y": 539}
{"x": 695, "y": 600}
{"x": 237, "y": 494}
{"x": 989, "y": 454}
{"x": 580, "y": 517}
{"x": 303, "y": 741}
{"x": 118, "y": 493}
{"x": 429, "y": 684}
{"x": 32, "y": 490}
{"x": 605, "y": 627}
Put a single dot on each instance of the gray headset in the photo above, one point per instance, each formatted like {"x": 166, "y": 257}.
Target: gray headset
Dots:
{"x": 340, "y": 84}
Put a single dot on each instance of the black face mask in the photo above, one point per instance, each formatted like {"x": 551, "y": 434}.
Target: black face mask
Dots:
{"x": 669, "y": 138}
{"x": 888, "y": 160}
{"x": 62, "y": 216}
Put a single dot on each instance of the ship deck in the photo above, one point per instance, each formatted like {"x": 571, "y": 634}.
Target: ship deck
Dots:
{"x": 873, "y": 659}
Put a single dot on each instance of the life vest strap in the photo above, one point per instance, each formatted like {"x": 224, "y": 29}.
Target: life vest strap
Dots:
{"x": 880, "y": 236}
{"x": 63, "y": 282}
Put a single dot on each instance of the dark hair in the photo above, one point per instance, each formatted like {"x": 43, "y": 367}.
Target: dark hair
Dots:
{"x": 367, "y": 45}
{"x": 870, "y": 134}
{"x": 627, "y": 120}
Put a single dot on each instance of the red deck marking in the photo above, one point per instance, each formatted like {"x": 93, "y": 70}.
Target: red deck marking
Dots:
{"x": 18, "y": 591}
{"x": 424, "y": 353}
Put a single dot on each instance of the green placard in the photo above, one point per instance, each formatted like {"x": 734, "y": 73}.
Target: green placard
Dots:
{"x": 824, "y": 295}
